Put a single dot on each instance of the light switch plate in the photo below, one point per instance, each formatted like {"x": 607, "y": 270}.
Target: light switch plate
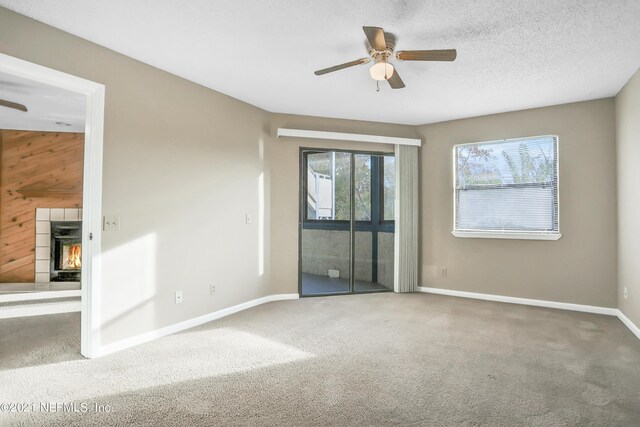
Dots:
{"x": 111, "y": 223}
{"x": 178, "y": 297}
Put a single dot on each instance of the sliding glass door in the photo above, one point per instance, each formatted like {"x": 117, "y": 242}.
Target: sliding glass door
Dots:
{"x": 346, "y": 222}
{"x": 326, "y": 223}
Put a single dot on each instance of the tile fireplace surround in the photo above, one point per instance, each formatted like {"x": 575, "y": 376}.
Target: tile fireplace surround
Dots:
{"x": 44, "y": 216}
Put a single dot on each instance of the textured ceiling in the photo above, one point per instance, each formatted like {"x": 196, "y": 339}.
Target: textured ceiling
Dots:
{"x": 512, "y": 54}
{"x": 49, "y": 108}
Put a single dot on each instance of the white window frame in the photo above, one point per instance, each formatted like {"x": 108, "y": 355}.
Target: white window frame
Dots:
{"x": 505, "y": 234}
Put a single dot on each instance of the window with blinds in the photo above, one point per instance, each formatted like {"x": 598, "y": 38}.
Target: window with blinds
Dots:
{"x": 508, "y": 186}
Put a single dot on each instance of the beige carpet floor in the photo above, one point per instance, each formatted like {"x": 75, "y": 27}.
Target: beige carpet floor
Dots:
{"x": 380, "y": 359}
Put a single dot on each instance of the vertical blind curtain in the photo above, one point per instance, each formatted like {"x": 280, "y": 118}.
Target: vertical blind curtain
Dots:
{"x": 406, "y": 214}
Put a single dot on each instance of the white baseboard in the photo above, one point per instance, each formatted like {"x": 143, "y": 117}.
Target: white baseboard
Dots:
{"x": 26, "y": 310}
{"x": 524, "y": 301}
{"x": 187, "y": 324}
{"x": 538, "y": 303}
{"x": 32, "y": 296}
{"x": 629, "y": 324}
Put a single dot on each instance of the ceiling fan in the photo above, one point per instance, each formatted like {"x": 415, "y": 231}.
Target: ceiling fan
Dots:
{"x": 381, "y": 46}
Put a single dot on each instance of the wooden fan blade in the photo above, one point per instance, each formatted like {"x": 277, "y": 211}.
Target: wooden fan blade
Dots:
{"x": 395, "y": 81}
{"x": 427, "y": 55}
{"x": 14, "y": 105}
{"x": 341, "y": 66}
{"x": 375, "y": 35}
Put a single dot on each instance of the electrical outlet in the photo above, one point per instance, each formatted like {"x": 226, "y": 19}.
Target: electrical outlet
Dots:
{"x": 443, "y": 272}
{"x": 178, "y": 297}
{"x": 625, "y": 292}
{"x": 212, "y": 289}
{"x": 111, "y": 223}
{"x": 247, "y": 218}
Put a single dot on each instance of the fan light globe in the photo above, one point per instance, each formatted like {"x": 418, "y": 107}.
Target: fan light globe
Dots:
{"x": 381, "y": 71}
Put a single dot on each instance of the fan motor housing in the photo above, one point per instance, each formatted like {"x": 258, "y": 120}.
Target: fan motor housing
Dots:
{"x": 381, "y": 55}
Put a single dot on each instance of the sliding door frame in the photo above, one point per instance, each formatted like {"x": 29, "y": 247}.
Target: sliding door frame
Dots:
{"x": 352, "y": 223}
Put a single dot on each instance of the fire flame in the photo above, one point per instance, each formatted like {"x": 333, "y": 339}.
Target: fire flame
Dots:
{"x": 73, "y": 259}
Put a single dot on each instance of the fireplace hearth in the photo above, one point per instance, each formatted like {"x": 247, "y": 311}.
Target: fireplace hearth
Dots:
{"x": 66, "y": 251}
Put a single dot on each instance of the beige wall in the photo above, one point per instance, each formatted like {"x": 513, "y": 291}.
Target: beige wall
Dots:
{"x": 581, "y": 266}
{"x": 182, "y": 166}
{"x": 628, "y": 150}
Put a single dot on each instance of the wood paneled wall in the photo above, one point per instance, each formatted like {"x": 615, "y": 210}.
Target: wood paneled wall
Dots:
{"x": 37, "y": 170}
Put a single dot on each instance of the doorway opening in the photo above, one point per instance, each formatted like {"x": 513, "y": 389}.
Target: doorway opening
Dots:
{"x": 54, "y": 108}
{"x": 346, "y": 235}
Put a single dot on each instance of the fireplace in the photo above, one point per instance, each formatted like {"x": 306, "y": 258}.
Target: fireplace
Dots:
{"x": 58, "y": 239}
{"x": 66, "y": 251}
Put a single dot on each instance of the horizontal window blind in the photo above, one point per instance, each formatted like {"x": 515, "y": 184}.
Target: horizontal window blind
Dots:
{"x": 507, "y": 186}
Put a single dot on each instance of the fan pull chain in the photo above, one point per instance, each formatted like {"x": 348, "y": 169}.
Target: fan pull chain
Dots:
{"x": 377, "y": 85}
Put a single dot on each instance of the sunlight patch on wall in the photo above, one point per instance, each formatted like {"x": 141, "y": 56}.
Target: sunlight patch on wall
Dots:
{"x": 132, "y": 267}
{"x": 261, "y": 229}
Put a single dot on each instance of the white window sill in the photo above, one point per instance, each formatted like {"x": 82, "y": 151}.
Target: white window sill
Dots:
{"x": 506, "y": 235}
